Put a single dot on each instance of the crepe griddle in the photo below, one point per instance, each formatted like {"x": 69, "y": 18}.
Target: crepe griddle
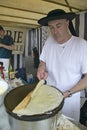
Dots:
{"x": 15, "y": 96}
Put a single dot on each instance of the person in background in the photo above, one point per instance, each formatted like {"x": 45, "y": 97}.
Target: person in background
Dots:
{"x": 36, "y": 57}
{"x": 6, "y": 47}
{"x": 63, "y": 60}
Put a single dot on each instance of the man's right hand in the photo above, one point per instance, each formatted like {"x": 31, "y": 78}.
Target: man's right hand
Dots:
{"x": 41, "y": 72}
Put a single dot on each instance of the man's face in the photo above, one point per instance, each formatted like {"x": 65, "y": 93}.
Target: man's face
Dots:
{"x": 59, "y": 29}
{"x": 1, "y": 33}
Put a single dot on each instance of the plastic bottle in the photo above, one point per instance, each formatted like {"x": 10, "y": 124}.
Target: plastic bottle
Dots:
{"x": 30, "y": 78}
{"x": 10, "y": 71}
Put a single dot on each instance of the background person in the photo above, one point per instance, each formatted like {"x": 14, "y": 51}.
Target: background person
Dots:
{"x": 63, "y": 60}
{"x": 36, "y": 57}
{"x": 6, "y": 47}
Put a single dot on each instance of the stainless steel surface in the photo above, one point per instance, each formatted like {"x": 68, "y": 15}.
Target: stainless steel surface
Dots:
{"x": 47, "y": 124}
{"x": 1, "y": 99}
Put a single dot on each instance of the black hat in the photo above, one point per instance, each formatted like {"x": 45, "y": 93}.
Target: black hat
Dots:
{"x": 56, "y": 14}
{"x": 1, "y": 28}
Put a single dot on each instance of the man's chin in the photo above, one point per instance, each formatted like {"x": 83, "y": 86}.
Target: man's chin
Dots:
{"x": 57, "y": 39}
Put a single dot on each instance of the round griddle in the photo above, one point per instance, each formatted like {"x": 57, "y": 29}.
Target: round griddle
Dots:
{"x": 15, "y": 96}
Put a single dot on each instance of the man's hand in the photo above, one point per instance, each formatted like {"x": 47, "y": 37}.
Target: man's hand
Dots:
{"x": 67, "y": 94}
{"x": 11, "y": 47}
{"x": 41, "y": 72}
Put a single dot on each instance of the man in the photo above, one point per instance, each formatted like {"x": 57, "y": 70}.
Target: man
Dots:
{"x": 6, "y": 47}
{"x": 63, "y": 60}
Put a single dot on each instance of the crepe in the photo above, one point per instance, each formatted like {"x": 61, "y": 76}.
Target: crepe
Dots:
{"x": 65, "y": 124}
{"x": 46, "y": 99}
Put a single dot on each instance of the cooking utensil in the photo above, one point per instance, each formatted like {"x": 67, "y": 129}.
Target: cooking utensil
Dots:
{"x": 12, "y": 99}
{"x": 30, "y": 95}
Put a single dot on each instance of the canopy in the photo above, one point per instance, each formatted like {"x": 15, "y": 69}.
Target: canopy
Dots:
{"x": 25, "y": 13}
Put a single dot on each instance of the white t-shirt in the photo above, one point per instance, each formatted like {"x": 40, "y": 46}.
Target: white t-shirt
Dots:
{"x": 65, "y": 66}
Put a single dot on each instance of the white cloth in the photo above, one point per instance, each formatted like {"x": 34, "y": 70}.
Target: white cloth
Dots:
{"x": 5, "y": 63}
{"x": 71, "y": 107}
{"x": 65, "y": 65}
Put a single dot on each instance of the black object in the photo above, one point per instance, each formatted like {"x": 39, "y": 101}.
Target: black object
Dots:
{"x": 1, "y": 63}
{"x": 15, "y": 96}
{"x": 1, "y": 28}
{"x": 83, "y": 114}
{"x": 36, "y": 57}
{"x": 21, "y": 73}
{"x": 56, "y": 14}
{"x": 71, "y": 28}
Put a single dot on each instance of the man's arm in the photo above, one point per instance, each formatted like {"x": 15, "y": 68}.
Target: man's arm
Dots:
{"x": 41, "y": 72}
{"x": 11, "y": 47}
{"x": 82, "y": 84}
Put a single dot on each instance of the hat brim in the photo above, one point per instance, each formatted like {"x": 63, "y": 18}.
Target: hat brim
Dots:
{"x": 44, "y": 21}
